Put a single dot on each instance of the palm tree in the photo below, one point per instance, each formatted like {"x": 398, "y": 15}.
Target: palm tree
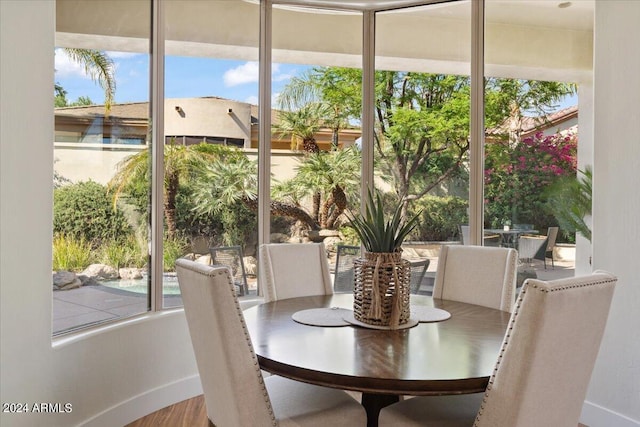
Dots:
{"x": 318, "y": 87}
{"x": 301, "y": 126}
{"x": 180, "y": 163}
{"x": 328, "y": 178}
{"x": 569, "y": 199}
{"x": 100, "y": 67}
{"x": 222, "y": 184}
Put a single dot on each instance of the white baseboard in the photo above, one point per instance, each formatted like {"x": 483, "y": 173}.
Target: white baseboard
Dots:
{"x": 145, "y": 403}
{"x": 596, "y": 416}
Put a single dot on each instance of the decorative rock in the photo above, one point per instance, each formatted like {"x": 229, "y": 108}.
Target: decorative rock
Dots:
{"x": 130, "y": 273}
{"x": 88, "y": 281}
{"x": 101, "y": 271}
{"x": 73, "y": 285}
{"x": 250, "y": 265}
{"x": 62, "y": 278}
{"x": 331, "y": 242}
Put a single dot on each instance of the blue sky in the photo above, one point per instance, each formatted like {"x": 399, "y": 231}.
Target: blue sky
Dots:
{"x": 185, "y": 77}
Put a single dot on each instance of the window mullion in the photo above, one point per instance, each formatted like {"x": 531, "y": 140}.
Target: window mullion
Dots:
{"x": 157, "y": 152}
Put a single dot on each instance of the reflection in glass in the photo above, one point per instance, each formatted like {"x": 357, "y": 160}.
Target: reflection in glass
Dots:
{"x": 100, "y": 226}
{"x": 211, "y": 138}
{"x": 422, "y": 113}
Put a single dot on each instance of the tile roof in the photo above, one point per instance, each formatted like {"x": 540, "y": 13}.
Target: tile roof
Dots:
{"x": 530, "y": 124}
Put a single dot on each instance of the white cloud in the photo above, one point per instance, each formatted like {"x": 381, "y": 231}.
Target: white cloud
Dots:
{"x": 65, "y": 67}
{"x": 249, "y": 73}
{"x": 253, "y": 100}
{"x": 282, "y": 77}
{"x": 245, "y": 73}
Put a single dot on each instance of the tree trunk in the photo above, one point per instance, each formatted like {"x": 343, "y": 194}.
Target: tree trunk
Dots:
{"x": 286, "y": 210}
{"x": 340, "y": 204}
{"x": 310, "y": 145}
{"x": 315, "y": 210}
{"x": 171, "y": 192}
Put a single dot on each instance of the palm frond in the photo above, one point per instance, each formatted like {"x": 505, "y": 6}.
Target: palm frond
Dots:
{"x": 375, "y": 232}
{"x": 99, "y": 67}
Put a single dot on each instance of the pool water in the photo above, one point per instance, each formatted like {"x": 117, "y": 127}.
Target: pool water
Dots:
{"x": 140, "y": 286}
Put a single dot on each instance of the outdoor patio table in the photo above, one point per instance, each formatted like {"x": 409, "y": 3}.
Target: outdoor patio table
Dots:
{"x": 510, "y": 237}
{"x": 453, "y": 356}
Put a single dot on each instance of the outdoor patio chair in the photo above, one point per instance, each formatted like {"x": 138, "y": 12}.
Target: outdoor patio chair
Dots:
{"x": 343, "y": 274}
{"x": 231, "y": 256}
{"x": 563, "y": 320}
{"x": 290, "y": 270}
{"x": 235, "y": 392}
{"x": 529, "y": 246}
{"x": 418, "y": 271}
{"x": 552, "y": 235}
{"x": 477, "y": 275}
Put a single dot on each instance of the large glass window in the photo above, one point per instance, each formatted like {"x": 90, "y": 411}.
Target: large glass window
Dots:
{"x": 531, "y": 182}
{"x": 101, "y": 145}
{"x": 210, "y": 123}
{"x": 315, "y": 153}
{"x": 209, "y": 138}
{"x": 422, "y": 118}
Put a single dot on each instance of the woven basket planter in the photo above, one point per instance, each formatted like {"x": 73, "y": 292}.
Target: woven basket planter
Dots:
{"x": 382, "y": 289}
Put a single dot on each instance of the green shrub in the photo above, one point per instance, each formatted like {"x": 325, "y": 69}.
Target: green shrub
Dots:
{"x": 173, "y": 248}
{"x": 440, "y": 219}
{"x": 131, "y": 252}
{"x": 84, "y": 211}
{"x": 71, "y": 254}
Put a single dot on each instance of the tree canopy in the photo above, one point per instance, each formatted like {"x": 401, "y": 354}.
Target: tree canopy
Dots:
{"x": 422, "y": 119}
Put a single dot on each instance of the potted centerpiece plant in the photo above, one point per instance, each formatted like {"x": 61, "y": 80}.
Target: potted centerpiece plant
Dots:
{"x": 381, "y": 277}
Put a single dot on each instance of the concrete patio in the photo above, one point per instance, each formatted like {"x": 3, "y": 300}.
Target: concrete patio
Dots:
{"x": 91, "y": 305}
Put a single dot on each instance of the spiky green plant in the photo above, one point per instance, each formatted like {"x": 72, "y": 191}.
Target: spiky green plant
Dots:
{"x": 569, "y": 199}
{"x": 378, "y": 234}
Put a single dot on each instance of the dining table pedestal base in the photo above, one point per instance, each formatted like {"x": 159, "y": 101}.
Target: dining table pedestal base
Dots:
{"x": 374, "y": 402}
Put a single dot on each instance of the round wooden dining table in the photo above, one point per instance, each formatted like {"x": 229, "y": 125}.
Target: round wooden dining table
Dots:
{"x": 454, "y": 356}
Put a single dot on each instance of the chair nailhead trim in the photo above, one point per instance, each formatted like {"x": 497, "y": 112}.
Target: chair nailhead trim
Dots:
{"x": 247, "y": 337}
{"x": 511, "y": 325}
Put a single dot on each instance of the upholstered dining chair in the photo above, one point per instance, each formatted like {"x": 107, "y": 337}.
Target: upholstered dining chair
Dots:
{"x": 543, "y": 368}
{"x": 529, "y": 246}
{"x": 232, "y": 257}
{"x": 290, "y": 270}
{"x": 344, "y": 271}
{"x": 542, "y": 255}
{"x": 477, "y": 275}
{"x": 235, "y": 392}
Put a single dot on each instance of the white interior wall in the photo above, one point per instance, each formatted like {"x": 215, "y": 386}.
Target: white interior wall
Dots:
{"x": 585, "y": 157}
{"x": 614, "y": 394}
{"x": 147, "y": 362}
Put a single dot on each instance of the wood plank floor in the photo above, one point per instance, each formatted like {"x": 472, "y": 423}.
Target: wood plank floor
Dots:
{"x": 188, "y": 413}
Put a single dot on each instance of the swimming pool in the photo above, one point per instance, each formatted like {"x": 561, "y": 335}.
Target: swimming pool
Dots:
{"x": 140, "y": 286}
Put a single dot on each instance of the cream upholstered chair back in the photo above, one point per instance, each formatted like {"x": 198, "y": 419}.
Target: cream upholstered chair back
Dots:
{"x": 293, "y": 270}
{"x": 477, "y": 275}
{"x": 548, "y": 354}
{"x": 234, "y": 390}
{"x": 543, "y": 368}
